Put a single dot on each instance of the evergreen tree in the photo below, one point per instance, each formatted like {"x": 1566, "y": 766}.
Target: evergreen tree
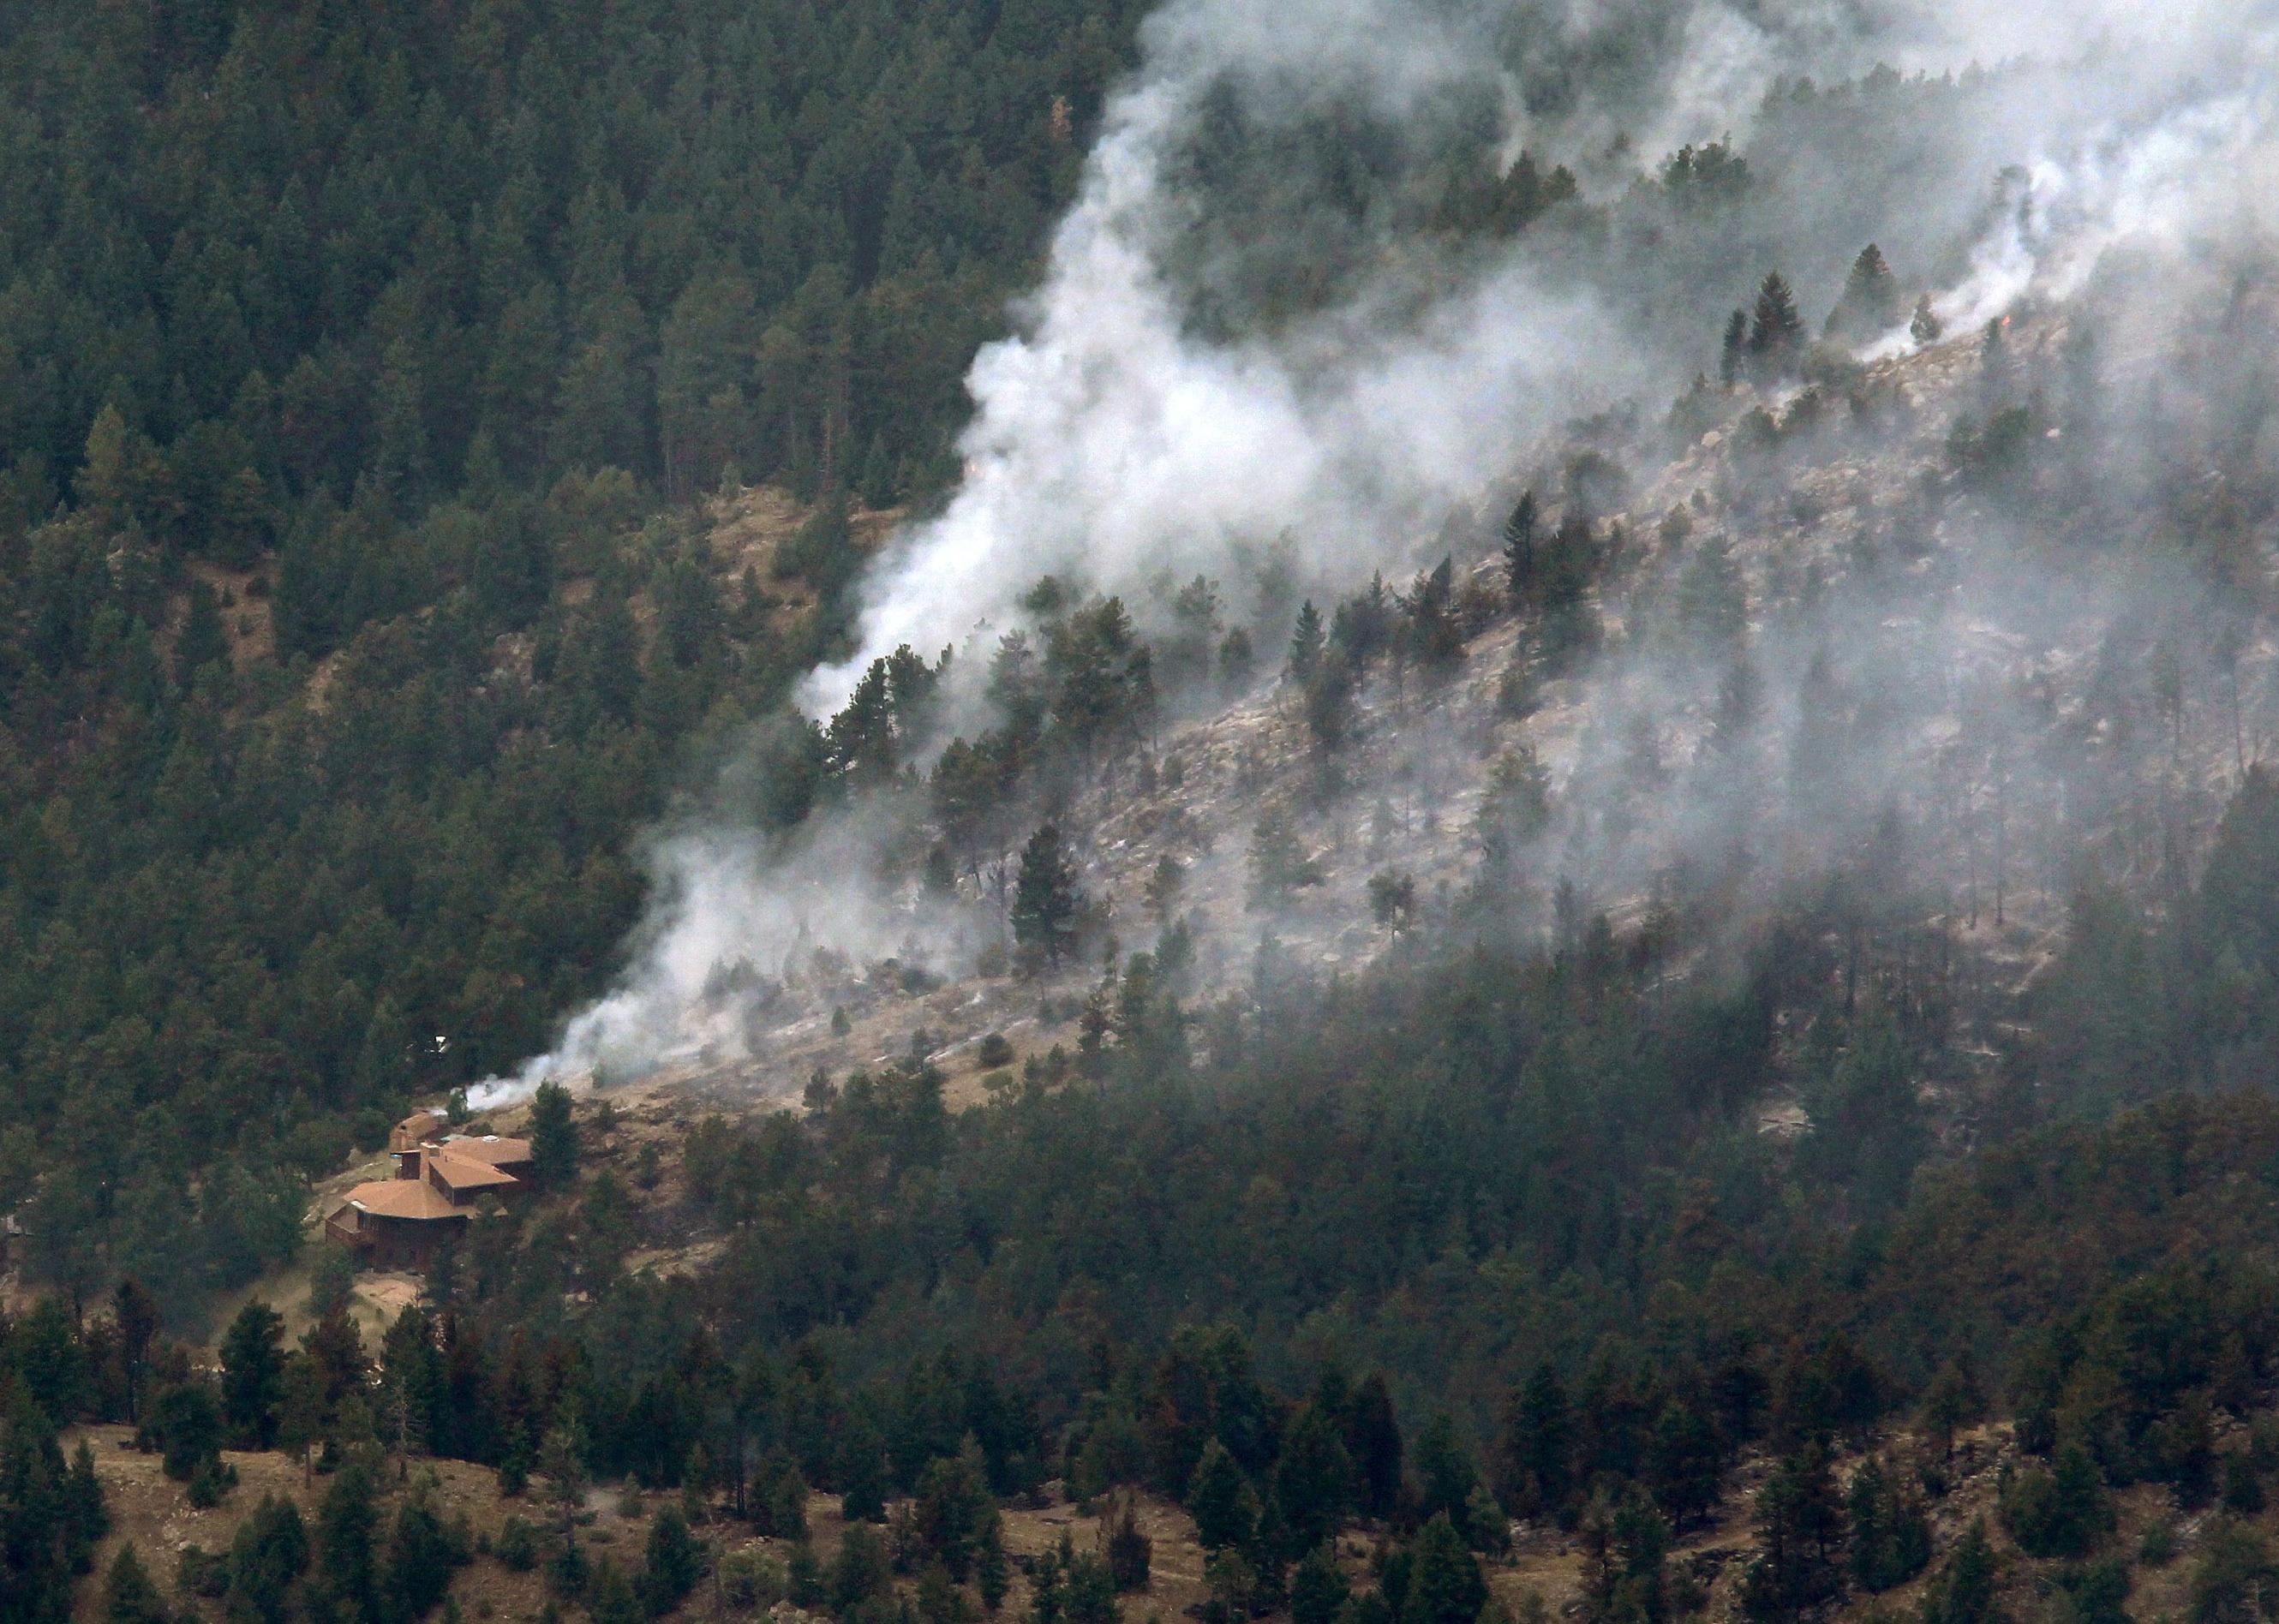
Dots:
{"x": 1536, "y": 1450}
{"x": 2062, "y": 1512}
{"x": 991, "y": 1573}
{"x": 1165, "y": 883}
{"x": 347, "y": 1525}
{"x": 1279, "y": 866}
{"x": 1313, "y": 1482}
{"x": 1800, "y": 1527}
{"x": 1306, "y": 644}
{"x": 1046, "y": 902}
{"x": 954, "y": 1507}
{"x": 1925, "y": 327}
{"x": 187, "y": 1420}
{"x": 1871, "y": 303}
{"x": 301, "y": 1408}
{"x": 269, "y": 1554}
{"x": 673, "y": 1563}
{"x": 1625, "y": 1541}
{"x": 1221, "y": 1500}
{"x": 1129, "y": 1552}
{"x": 613, "y": 1599}
{"x": 1330, "y": 704}
{"x": 1373, "y": 1438}
{"x": 129, "y": 1596}
{"x": 1445, "y": 1585}
{"x": 252, "y": 1375}
{"x": 863, "y": 1476}
{"x": 1318, "y": 1588}
{"x": 862, "y": 1569}
{"x": 1686, "y": 1462}
{"x": 135, "y": 1311}
{"x": 1891, "y": 1537}
{"x": 420, "y": 1558}
{"x": 202, "y": 642}
{"x": 554, "y": 1137}
{"x": 1733, "y": 354}
{"x": 1444, "y": 1474}
{"x": 1776, "y": 335}
{"x": 1519, "y": 548}
{"x": 1963, "y": 1592}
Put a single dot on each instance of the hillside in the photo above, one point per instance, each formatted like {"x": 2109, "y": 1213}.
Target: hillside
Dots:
{"x": 1364, "y": 814}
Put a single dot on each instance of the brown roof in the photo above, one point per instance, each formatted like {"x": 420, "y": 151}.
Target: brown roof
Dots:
{"x": 459, "y": 1172}
{"x": 403, "y": 1197}
{"x": 490, "y": 1149}
{"x": 414, "y": 1130}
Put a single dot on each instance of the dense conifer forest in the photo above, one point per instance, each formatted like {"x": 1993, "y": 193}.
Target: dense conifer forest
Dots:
{"x": 376, "y": 383}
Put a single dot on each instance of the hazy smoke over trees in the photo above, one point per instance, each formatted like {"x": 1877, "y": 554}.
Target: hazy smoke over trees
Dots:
{"x": 1330, "y": 280}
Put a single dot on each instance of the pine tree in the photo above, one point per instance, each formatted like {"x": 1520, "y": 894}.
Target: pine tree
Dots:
{"x": 1278, "y": 863}
{"x": 420, "y": 1558}
{"x": 613, "y": 1600}
{"x": 1869, "y": 305}
{"x": 1306, "y": 644}
{"x": 862, "y": 1569}
{"x": 1312, "y": 1478}
{"x": 1444, "y": 1474}
{"x": 1045, "y": 898}
{"x": 1318, "y": 1587}
{"x": 1519, "y": 546}
{"x": 187, "y": 1419}
{"x": 991, "y": 1572}
{"x": 346, "y": 1523}
{"x": 1221, "y": 1500}
{"x": 1330, "y": 704}
{"x": 1776, "y": 336}
{"x": 1625, "y": 1541}
{"x": 1129, "y": 1552}
{"x": 803, "y": 1585}
{"x": 129, "y": 1596}
{"x": 1800, "y": 1526}
{"x": 1445, "y": 1585}
{"x": 2062, "y": 1512}
{"x": 1165, "y": 883}
{"x": 301, "y": 1408}
{"x": 202, "y": 642}
{"x": 1925, "y": 327}
{"x": 252, "y": 1375}
{"x": 1536, "y": 1450}
{"x": 1891, "y": 1537}
{"x": 1734, "y": 353}
{"x": 553, "y": 1137}
{"x": 1372, "y": 1436}
{"x": 1963, "y": 1593}
{"x": 953, "y": 1507}
{"x": 673, "y": 1562}
{"x": 863, "y": 1476}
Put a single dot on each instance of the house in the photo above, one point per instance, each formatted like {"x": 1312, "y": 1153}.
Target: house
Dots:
{"x": 439, "y": 1177}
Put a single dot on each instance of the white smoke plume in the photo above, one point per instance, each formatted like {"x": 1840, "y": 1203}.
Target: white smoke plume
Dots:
{"x": 1117, "y": 436}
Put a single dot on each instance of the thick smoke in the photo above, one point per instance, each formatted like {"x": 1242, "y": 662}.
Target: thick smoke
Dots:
{"x": 1157, "y": 410}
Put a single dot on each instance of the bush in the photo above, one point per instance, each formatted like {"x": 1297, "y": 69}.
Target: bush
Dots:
{"x": 1130, "y": 1554}
{"x": 2158, "y": 1547}
{"x": 749, "y": 1581}
{"x": 200, "y": 1573}
{"x": 996, "y": 1050}
{"x": 211, "y": 1484}
{"x": 2063, "y": 1512}
{"x": 518, "y": 1545}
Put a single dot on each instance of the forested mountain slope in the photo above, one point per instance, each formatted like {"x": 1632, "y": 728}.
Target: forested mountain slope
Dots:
{"x": 343, "y": 348}
{"x": 1689, "y": 1034}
